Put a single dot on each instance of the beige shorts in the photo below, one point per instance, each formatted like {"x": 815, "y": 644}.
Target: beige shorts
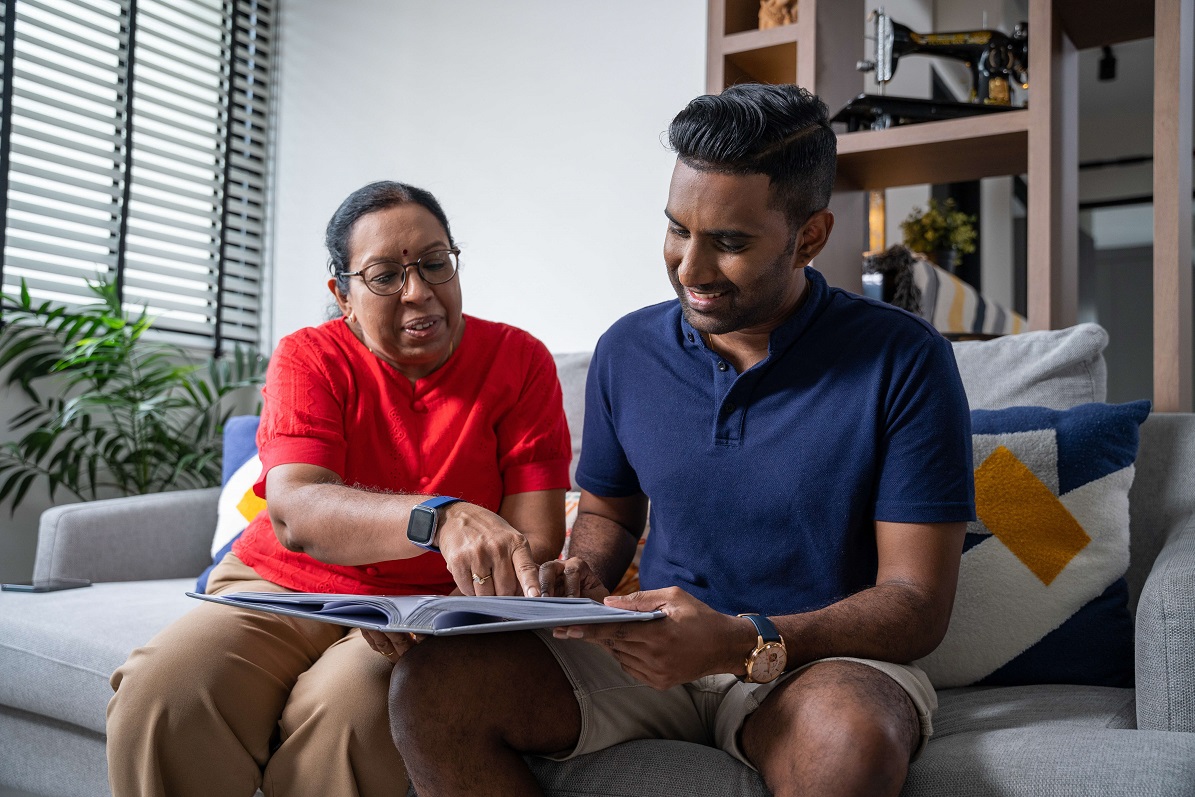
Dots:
{"x": 616, "y": 708}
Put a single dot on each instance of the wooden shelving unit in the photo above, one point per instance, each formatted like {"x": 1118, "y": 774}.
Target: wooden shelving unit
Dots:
{"x": 935, "y": 152}
{"x": 819, "y": 52}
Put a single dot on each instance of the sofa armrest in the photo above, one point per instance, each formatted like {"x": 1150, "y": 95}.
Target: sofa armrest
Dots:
{"x": 143, "y": 537}
{"x": 1165, "y": 644}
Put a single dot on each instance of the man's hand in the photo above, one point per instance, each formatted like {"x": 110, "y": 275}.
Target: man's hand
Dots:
{"x": 691, "y": 641}
{"x": 570, "y": 578}
{"x": 485, "y": 554}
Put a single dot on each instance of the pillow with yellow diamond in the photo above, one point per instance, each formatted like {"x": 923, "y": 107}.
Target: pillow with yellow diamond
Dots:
{"x": 1042, "y": 596}
{"x": 238, "y": 503}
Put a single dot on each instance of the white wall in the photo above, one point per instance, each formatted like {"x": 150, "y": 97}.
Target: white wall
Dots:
{"x": 537, "y": 124}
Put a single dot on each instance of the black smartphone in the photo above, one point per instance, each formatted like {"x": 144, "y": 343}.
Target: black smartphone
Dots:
{"x": 48, "y": 585}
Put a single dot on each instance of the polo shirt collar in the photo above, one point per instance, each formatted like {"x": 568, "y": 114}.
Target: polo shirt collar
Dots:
{"x": 786, "y": 334}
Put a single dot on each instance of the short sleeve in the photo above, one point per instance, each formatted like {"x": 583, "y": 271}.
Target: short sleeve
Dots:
{"x": 534, "y": 449}
{"x": 925, "y": 458}
{"x": 302, "y": 420}
{"x": 604, "y": 468}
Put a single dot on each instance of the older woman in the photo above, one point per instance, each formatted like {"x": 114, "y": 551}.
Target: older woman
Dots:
{"x": 406, "y": 449}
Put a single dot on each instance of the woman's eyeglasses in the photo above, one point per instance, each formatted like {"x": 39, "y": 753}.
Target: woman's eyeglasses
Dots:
{"x": 386, "y": 278}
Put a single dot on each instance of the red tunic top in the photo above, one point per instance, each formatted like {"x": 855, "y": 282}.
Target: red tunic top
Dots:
{"x": 488, "y": 423}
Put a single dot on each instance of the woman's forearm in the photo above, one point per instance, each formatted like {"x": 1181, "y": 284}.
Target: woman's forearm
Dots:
{"x": 344, "y": 525}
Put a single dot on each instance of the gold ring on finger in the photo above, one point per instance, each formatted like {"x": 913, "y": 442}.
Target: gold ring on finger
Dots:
{"x": 481, "y": 579}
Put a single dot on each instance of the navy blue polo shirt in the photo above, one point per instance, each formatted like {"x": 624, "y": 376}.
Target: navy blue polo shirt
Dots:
{"x": 765, "y": 485}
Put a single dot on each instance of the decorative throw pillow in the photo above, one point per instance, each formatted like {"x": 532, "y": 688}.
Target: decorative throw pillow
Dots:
{"x": 238, "y": 503}
{"x": 1056, "y": 368}
{"x": 1041, "y": 595}
{"x": 952, "y": 305}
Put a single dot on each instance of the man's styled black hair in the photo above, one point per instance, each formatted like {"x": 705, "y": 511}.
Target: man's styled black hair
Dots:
{"x": 368, "y": 199}
{"x": 781, "y": 131}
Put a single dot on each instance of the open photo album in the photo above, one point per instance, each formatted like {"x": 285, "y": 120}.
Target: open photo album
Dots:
{"x": 437, "y": 615}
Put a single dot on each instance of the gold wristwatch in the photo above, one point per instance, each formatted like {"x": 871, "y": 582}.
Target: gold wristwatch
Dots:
{"x": 767, "y": 661}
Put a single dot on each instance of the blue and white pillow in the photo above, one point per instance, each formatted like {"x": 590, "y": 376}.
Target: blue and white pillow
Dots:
{"x": 238, "y": 503}
{"x": 1042, "y": 596}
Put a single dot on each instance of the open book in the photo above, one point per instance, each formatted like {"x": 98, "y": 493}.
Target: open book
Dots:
{"x": 438, "y": 615}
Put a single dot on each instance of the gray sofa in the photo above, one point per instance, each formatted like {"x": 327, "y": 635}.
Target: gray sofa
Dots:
{"x": 57, "y": 649}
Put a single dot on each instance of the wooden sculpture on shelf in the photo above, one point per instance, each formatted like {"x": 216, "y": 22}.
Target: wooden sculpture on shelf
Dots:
{"x": 774, "y": 13}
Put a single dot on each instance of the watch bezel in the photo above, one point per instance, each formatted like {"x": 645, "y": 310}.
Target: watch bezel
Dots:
{"x": 760, "y": 669}
{"x": 421, "y": 528}
{"x": 424, "y": 522}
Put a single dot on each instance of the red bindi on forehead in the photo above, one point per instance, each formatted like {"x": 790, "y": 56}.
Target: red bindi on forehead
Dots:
{"x": 404, "y": 252}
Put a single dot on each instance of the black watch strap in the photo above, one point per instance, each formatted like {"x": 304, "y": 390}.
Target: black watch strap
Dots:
{"x": 766, "y": 628}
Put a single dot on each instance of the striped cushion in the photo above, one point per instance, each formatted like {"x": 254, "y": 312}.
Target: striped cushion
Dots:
{"x": 953, "y": 306}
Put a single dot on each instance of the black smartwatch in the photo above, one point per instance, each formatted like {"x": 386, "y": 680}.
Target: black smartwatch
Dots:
{"x": 425, "y": 522}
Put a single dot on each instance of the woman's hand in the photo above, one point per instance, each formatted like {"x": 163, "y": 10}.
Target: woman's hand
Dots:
{"x": 485, "y": 554}
{"x": 390, "y": 644}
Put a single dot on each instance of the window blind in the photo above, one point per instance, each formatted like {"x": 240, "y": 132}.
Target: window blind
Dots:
{"x": 133, "y": 141}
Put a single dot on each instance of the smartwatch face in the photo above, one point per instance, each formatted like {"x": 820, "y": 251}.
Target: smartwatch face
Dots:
{"x": 422, "y": 527}
{"x": 767, "y": 663}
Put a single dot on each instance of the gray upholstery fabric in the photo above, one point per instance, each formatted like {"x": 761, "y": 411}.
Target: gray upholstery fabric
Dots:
{"x": 986, "y": 708}
{"x": 1162, "y": 498}
{"x": 57, "y": 649}
{"x": 633, "y": 770}
{"x": 1165, "y": 645}
{"x": 167, "y": 535}
{"x": 44, "y": 756}
{"x": 1058, "y": 368}
{"x": 1056, "y": 762}
{"x": 573, "y": 370}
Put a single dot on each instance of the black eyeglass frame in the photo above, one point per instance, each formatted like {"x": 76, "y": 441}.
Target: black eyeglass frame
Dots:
{"x": 417, "y": 265}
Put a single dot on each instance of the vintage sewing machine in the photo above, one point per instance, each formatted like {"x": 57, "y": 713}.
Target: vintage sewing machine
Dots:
{"x": 995, "y": 59}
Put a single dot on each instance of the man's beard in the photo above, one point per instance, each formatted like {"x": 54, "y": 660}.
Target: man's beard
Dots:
{"x": 758, "y": 307}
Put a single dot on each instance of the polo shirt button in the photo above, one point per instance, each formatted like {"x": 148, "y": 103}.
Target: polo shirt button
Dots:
{"x": 373, "y": 571}
{"x": 690, "y": 337}
{"x": 722, "y": 366}
{"x": 425, "y": 481}
{"x": 419, "y": 406}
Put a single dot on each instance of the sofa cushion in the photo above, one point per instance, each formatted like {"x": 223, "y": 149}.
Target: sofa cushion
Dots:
{"x": 58, "y": 649}
{"x": 649, "y": 768}
{"x": 238, "y": 503}
{"x": 988, "y": 708}
{"x": 978, "y": 748}
{"x": 1057, "y": 368}
{"x": 1055, "y": 762}
{"x": 1041, "y": 595}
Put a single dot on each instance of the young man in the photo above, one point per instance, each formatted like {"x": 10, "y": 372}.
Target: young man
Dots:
{"x": 806, "y": 453}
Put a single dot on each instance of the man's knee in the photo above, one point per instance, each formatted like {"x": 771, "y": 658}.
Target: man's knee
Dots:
{"x": 507, "y": 688}
{"x": 433, "y": 684}
{"x": 835, "y": 713}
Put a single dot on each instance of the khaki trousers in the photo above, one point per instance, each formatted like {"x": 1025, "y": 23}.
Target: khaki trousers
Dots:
{"x": 225, "y": 701}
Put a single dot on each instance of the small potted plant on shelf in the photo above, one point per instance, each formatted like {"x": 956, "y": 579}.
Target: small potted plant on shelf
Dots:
{"x": 942, "y": 232}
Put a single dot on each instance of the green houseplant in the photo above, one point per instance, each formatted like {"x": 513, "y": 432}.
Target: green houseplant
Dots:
{"x": 942, "y": 232}
{"x": 110, "y": 412}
